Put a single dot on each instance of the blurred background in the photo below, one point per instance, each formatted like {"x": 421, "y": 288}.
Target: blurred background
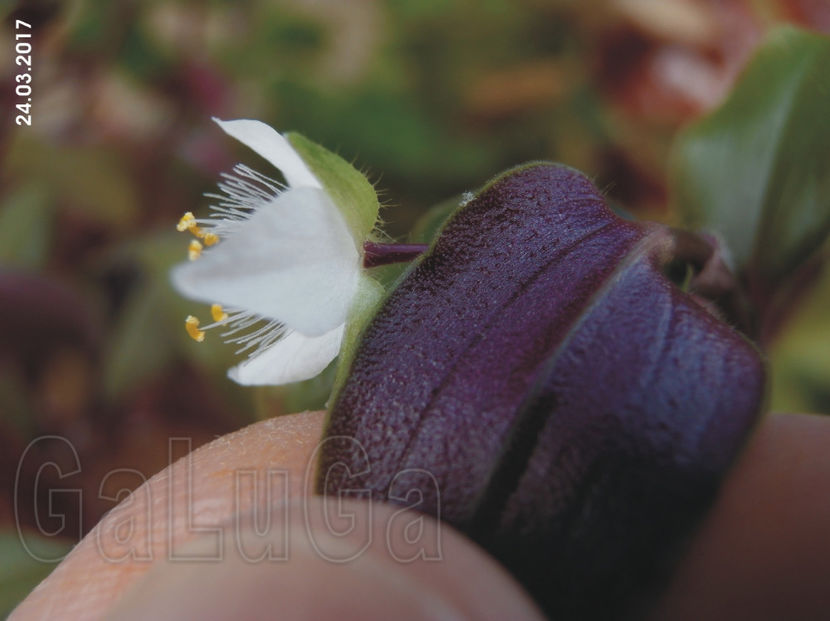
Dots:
{"x": 429, "y": 97}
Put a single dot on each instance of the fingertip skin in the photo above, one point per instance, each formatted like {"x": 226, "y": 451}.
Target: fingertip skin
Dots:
{"x": 763, "y": 552}
{"x": 202, "y": 491}
{"x": 545, "y": 388}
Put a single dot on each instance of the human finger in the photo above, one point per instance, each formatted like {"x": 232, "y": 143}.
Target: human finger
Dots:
{"x": 763, "y": 552}
{"x": 355, "y": 560}
{"x": 173, "y": 507}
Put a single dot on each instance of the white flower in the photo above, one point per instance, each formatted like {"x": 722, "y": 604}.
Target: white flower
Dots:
{"x": 282, "y": 266}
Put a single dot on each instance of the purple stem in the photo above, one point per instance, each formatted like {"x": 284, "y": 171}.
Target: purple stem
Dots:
{"x": 376, "y": 254}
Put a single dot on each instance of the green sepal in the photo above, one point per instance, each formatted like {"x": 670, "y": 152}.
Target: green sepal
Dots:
{"x": 348, "y": 188}
{"x": 370, "y": 293}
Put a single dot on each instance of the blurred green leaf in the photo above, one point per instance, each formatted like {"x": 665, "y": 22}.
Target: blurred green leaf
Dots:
{"x": 428, "y": 226}
{"x": 757, "y": 170}
{"x": 15, "y": 405}
{"x": 93, "y": 25}
{"x": 89, "y": 179}
{"x": 21, "y": 569}
{"x": 388, "y": 130}
{"x": 422, "y": 9}
{"x": 26, "y": 227}
{"x": 138, "y": 349}
{"x": 149, "y": 332}
{"x": 800, "y": 357}
{"x": 311, "y": 394}
{"x": 140, "y": 54}
{"x": 290, "y": 35}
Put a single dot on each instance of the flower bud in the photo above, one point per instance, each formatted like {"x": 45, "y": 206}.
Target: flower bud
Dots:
{"x": 539, "y": 382}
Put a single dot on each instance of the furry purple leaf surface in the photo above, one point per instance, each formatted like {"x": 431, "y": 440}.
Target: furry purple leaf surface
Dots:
{"x": 539, "y": 382}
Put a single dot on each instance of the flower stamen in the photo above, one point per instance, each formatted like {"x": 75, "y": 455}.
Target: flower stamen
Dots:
{"x": 244, "y": 191}
{"x": 185, "y": 222}
{"x": 192, "y": 226}
{"x": 218, "y": 313}
{"x": 189, "y": 223}
{"x": 194, "y": 250}
{"x": 259, "y": 339}
{"x": 191, "y": 324}
{"x": 242, "y": 329}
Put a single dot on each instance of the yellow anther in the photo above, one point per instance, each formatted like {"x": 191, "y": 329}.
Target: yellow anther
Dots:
{"x": 194, "y": 250}
{"x": 210, "y": 239}
{"x": 191, "y": 324}
{"x": 218, "y": 313}
{"x": 186, "y": 222}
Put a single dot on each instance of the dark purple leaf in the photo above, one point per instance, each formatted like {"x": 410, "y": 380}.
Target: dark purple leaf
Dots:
{"x": 549, "y": 391}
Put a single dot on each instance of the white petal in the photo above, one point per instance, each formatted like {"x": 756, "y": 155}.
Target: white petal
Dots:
{"x": 293, "y": 260}
{"x": 271, "y": 145}
{"x": 295, "y": 357}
